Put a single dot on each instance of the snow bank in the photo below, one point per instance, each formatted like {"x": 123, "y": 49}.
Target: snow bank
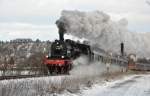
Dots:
{"x": 99, "y": 29}
{"x": 31, "y": 87}
{"x": 128, "y": 86}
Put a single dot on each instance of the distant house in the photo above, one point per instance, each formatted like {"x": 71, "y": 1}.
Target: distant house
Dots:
{"x": 22, "y": 40}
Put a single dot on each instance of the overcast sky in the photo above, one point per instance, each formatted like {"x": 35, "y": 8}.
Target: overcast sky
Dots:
{"x": 36, "y": 18}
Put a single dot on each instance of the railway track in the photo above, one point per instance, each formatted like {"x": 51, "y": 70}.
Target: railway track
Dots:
{"x": 20, "y": 77}
{"x": 28, "y": 76}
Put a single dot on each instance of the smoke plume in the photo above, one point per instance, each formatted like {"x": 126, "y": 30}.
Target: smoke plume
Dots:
{"x": 100, "y": 30}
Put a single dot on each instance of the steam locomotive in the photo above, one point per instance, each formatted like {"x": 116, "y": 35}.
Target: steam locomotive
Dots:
{"x": 63, "y": 52}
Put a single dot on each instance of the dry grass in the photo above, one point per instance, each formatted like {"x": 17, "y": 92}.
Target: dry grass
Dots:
{"x": 56, "y": 84}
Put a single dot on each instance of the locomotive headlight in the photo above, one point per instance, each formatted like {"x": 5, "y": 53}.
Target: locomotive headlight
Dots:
{"x": 46, "y": 56}
{"x": 60, "y": 64}
{"x": 62, "y": 56}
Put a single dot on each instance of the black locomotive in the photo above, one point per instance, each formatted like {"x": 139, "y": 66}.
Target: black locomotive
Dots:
{"x": 63, "y": 52}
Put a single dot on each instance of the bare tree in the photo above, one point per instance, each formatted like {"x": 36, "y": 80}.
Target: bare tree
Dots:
{"x": 35, "y": 61}
{"x": 11, "y": 61}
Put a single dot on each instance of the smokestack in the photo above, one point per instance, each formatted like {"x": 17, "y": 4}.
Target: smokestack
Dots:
{"x": 62, "y": 30}
{"x": 122, "y": 49}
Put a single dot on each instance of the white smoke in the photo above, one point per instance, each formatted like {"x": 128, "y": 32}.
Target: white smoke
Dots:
{"x": 83, "y": 67}
{"x": 100, "y": 30}
{"x": 82, "y": 60}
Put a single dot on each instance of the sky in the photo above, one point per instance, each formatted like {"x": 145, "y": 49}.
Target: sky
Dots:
{"x": 36, "y": 18}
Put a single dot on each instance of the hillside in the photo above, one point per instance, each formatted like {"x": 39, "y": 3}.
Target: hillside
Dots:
{"x": 23, "y": 53}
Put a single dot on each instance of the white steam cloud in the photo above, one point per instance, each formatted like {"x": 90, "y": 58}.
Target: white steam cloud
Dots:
{"x": 100, "y": 30}
{"x": 82, "y": 67}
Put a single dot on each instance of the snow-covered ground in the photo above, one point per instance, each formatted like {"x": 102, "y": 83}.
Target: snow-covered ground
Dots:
{"x": 31, "y": 86}
{"x": 83, "y": 75}
{"x": 130, "y": 85}
{"x": 135, "y": 85}
{"x": 47, "y": 86}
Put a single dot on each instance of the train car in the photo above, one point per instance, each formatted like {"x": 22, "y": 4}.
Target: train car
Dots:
{"x": 132, "y": 62}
